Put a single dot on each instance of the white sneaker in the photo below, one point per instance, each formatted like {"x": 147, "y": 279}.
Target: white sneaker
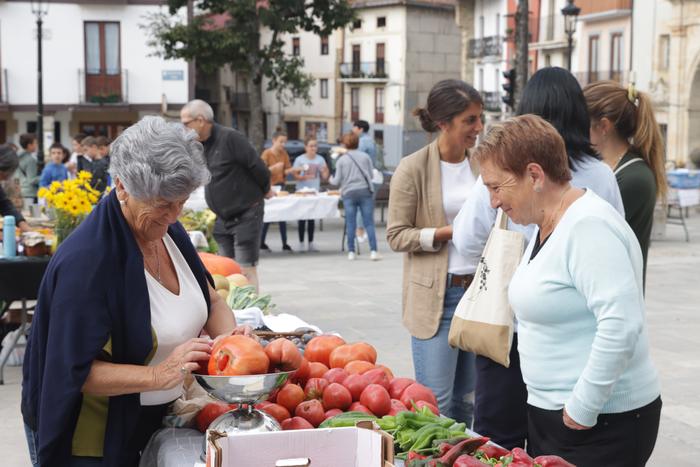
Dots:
{"x": 301, "y": 247}
{"x": 312, "y": 248}
{"x": 374, "y": 256}
{"x": 351, "y": 256}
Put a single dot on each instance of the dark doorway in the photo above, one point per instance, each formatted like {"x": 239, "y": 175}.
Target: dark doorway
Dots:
{"x": 292, "y": 130}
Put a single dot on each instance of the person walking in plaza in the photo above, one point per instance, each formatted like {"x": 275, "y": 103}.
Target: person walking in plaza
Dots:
{"x": 625, "y": 133}
{"x": 312, "y": 169}
{"x": 426, "y": 192}
{"x": 369, "y": 147}
{"x": 353, "y": 174}
{"x": 240, "y": 181}
{"x": 500, "y": 409}
{"x": 276, "y": 159}
{"x": 120, "y": 310}
{"x": 8, "y": 165}
{"x": 28, "y": 170}
{"x": 593, "y": 392}
{"x": 54, "y": 171}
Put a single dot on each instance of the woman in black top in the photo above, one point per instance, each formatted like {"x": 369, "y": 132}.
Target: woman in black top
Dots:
{"x": 625, "y": 133}
{"x": 8, "y": 165}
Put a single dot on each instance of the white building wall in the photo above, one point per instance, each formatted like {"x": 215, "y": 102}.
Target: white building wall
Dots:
{"x": 487, "y": 70}
{"x": 64, "y": 54}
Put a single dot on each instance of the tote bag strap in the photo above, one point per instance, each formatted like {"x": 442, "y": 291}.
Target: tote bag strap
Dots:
{"x": 501, "y": 220}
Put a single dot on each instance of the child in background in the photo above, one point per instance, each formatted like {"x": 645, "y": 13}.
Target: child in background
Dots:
{"x": 93, "y": 162}
{"x": 100, "y": 165}
{"x": 54, "y": 171}
{"x": 77, "y": 146}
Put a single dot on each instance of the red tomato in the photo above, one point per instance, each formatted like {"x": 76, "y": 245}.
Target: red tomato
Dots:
{"x": 290, "y": 396}
{"x": 314, "y": 388}
{"x": 396, "y": 407}
{"x": 336, "y": 396}
{"x": 397, "y": 386}
{"x": 238, "y": 355}
{"x": 317, "y": 370}
{"x": 358, "y": 367}
{"x": 376, "y": 399}
{"x": 377, "y": 376}
{"x": 283, "y": 355}
{"x": 302, "y": 374}
{"x": 296, "y": 423}
{"x": 387, "y": 370}
{"x": 311, "y": 411}
{"x": 357, "y": 407}
{"x": 336, "y": 375}
{"x": 417, "y": 392}
{"x": 356, "y": 384}
{"x": 209, "y": 413}
{"x": 278, "y": 412}
{"x": 347, "y": 353}
{"x": 332, "y": 413}
{"x": 421, "y": 404}
{"x": 320, "y": 347}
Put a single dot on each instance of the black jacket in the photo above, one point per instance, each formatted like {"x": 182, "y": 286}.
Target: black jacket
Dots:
{"x": 239, "y": 177}
{"x": 8, "y": 209}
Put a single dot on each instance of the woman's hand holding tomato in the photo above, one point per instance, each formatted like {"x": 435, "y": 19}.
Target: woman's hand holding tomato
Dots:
{"x": 182, "y": 360}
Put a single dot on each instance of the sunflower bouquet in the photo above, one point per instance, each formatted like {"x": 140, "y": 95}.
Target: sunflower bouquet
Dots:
{"x": 72, "y": 200}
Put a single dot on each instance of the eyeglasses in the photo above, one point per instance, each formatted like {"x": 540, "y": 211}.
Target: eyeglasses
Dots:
{"x": 188, "y": 121}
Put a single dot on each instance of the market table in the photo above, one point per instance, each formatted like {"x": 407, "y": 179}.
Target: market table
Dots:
{"x": 284, "y": 208}
{"x": 681, "y": 199}
{"x": 20, "y": 278}
{"x": 297, "y": 208}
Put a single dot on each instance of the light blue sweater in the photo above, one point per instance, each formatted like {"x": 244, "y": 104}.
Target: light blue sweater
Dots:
{"x": 582, "y": 335}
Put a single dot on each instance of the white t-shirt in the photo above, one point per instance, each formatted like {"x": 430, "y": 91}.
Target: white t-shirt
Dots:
{"x": 457, "y": 182}
{"x": 174, "y": 318}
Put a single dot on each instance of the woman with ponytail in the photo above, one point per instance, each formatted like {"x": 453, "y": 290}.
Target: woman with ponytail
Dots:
{"x": 427, "y": 190}
{"x": 625, "y": 133}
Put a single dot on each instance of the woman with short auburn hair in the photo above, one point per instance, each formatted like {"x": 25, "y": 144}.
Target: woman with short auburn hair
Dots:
{"x": 500, "y": 398}
{"x": 427, "y": 190}
{"x": 593, "y": 391}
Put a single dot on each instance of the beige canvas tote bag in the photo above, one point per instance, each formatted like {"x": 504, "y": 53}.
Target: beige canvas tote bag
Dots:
{"x": 483, "y": 320}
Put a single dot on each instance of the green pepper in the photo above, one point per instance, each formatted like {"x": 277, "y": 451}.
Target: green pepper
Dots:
{"x": 346, "y": 419}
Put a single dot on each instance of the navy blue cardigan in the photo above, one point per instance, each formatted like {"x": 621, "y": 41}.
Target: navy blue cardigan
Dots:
{"x": 94, "y": 288}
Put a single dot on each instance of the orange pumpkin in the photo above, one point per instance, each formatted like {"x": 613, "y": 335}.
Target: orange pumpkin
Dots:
{"x": 222, "y": 265}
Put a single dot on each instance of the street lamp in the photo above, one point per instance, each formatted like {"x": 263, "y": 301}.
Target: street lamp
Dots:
{"x": 39, "y": 9}
{"x": 570, "y": 12}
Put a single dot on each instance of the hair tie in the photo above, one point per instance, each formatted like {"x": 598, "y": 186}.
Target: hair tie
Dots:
{"x": 632, "y": 95}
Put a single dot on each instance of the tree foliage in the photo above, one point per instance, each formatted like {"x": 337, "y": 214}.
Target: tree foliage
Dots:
{"x": 237, "y": 41}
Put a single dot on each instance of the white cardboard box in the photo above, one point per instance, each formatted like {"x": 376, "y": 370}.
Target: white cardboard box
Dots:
{"x": 333, "y": 447}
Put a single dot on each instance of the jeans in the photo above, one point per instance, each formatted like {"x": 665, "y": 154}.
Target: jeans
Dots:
{"x": 283, "y": 232}
{"x": 302, "y": 228}
{"x": 365, "y": 205}
{"x": 360, "y": 223}
{"x": 447, "y": 371}
{"x": 75, "y": 461}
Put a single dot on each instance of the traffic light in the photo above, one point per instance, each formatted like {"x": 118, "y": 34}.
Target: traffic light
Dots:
{"x": 509, "y": 88}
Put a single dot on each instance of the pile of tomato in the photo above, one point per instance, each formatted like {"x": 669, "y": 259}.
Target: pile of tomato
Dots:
{"x": 331, "y": 377}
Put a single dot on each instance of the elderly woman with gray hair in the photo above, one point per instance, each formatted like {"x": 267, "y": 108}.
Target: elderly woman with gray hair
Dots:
{"x": 121, "y": 309}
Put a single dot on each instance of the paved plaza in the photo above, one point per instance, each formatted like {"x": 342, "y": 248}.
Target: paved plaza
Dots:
{"x": 362, "y": 301}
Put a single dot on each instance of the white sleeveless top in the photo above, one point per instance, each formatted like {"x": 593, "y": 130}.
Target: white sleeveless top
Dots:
{"x": 174, "y": 318}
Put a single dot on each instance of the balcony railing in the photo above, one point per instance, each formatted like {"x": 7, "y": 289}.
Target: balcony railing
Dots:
{"x": 589, "y": 76}
{"x": 475, "y": 48}
{"x": 365, "y": 71}
{"x": 3, "y": 86}
{"x": 239, "y": 101}
{"x": 600, "y": 6}
{"x": 492, "y": 101}
{"x": 103, "y": 88}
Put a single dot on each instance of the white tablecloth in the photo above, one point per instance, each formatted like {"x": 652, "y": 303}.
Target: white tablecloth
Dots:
{"x": 295, "y": 208}
{"x": 684, "y": 197}
{"x": 284, "y": 208}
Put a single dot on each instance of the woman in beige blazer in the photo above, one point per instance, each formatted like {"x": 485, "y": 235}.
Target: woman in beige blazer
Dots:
{"x": 427, "y": 191}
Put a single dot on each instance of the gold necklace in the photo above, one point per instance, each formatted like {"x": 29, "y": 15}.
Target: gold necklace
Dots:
{"x": 556, "y": 211}
{"x": 155, "y": 253}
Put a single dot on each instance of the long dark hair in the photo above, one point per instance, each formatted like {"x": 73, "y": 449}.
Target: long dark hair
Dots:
{"x": 447, "y": 99}
{"x": 554, "y": 94}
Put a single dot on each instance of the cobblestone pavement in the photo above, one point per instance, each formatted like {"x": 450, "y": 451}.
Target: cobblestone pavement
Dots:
{"x": 362, "y": 300}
